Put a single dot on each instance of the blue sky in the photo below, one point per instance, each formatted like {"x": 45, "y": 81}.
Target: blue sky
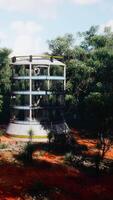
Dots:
{"x": 26, "y": 25}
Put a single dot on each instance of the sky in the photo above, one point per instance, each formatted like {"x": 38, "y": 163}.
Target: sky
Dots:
{"x": 26, "y": 25}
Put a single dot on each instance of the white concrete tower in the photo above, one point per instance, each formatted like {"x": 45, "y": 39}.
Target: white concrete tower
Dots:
{"x": 38, "y": 90}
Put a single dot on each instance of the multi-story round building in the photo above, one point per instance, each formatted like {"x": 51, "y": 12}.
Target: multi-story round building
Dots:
{"x": 38, "y": 90}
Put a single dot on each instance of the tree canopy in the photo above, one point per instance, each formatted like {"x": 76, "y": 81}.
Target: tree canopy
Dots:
{"x": 5, "y": 84}
{"x": 89, "y": 92}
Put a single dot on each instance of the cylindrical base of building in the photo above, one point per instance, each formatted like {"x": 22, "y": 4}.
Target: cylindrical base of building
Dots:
{"x": 35, "y": 130}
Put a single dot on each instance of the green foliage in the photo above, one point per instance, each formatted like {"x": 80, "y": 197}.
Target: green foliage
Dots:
{"x": 69, "y": 99}
{"x": 30, "y": 133}
{"x": 68, "y": 157}
{"x": 3, "y": 146}
{"x": 5, "y": 84}
{"x": 89, "y": 77}
{"x": 95, "y": 99}
{"x": 5, "y": 71}
{"x": 61, "y": 45}
{"x": 29, "y": 148}
{"x": 26, "y": 155}
{"x": 87, "y": 37}
{"x": 1, "y": 102}
{"x": 50, "y": 136}
{"x": 2, "y": 132}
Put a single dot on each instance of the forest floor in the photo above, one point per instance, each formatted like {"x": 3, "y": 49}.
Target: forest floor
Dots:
{"x": 48, "y": 177}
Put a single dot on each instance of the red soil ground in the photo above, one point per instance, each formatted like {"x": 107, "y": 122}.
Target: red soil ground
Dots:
{"x": 72, "y": 184}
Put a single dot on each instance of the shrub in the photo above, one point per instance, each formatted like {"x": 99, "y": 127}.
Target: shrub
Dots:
{"x": 39, "y": 191}
{"x": 26, "y": 155}
{"x": 50, "y": 136}
{"x": 3, "y": 146}
{"x": 30, "y": 133}
{"x": 68, "y": 157}
{"x": 2, "y": 132}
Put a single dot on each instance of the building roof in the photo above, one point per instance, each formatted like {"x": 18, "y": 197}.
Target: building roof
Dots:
{"x": 37, "y": 61}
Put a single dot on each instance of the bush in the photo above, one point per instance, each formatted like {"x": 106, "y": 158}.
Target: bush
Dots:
{"x": 29, "y": 148}
{"x": 39, "y": 191}
{"x": 26, "y": 155}
{"x": 68, "y": 157}
{"x": 50, "y": 136}
{"x": 3, "y": 146}
{"x": 2, "y": 132}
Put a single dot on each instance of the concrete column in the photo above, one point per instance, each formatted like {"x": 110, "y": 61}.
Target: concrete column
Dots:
{"x": 49, "y": 75}
{"x": 30, "y": 88}
{"x": 64, "y": 77}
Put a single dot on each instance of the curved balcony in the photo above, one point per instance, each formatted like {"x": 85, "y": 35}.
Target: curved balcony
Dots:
{"x": 38, "y": 92}
{"x": 38, "y": 107}
{"x": 22, "y": 107}
{"x": 32, "y": 92}
{"x": 39, "y": 77}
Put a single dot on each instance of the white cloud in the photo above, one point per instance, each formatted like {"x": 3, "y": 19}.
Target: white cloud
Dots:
{"x": 86, "y": 2}
{"x": 108, "y": 24}
{"x": 25, "y": 44}
{"x": 45, "y": 8}
{"x": 3, "y": 39}
{"x": 29, "y": 27}
{"x": 27, "y": 38}
{"x": 2, "y": 36}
